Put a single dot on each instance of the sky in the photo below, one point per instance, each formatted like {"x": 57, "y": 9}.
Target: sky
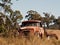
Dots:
{"x": 50, "y": 6}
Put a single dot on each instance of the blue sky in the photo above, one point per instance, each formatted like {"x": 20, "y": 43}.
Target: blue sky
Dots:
{"x": 50, "y": 6}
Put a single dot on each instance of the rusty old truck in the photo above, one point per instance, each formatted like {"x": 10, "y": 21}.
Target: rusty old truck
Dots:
{"x": 34, "y": 27}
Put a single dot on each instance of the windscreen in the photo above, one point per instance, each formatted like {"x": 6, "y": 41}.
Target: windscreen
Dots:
{"x": 32, "y": 24}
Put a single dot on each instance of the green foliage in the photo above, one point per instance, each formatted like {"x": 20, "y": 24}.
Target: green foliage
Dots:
{"x": 8, "y": 18}
{"x": 57, "y": 21}
{"x": 2, "y": 30}
{"x": 33, "y": 15}
{"x": 48, "y": 18}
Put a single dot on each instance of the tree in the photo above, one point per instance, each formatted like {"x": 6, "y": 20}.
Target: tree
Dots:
{"x": 52, "y": 18}
{"x": 9, "y": 18}
{"x": 48, "y": 19}
{"x": 15, "y": 17}
{"x": 33, "y": 15}
{"x": 2, "y": 28}
{"x": 57, "y": 21}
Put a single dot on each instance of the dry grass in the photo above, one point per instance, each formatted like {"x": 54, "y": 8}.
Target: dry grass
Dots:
{"x": 28, "y": 41}
{"x": 32, "y": 40}
{"x": 57, "y": 32}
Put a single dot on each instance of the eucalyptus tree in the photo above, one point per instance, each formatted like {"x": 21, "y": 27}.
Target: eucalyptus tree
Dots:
{"x": 48, "y": 18}
{"x": 57, "y": 21}
{"x": 52, "y": 18}
{"x": 5, "y": 6}
{"x": 2, "y": 22}
{"x": 33, "y": 15}
{"x": 15, "y": 18}
{"x": 10, "y": 17}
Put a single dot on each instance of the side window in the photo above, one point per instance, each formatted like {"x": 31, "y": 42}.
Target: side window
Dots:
{"x": 38, "y": 24}
{"x": 34, "y": 24}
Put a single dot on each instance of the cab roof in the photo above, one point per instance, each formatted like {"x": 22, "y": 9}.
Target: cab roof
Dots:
{"x": 36, "y": 21}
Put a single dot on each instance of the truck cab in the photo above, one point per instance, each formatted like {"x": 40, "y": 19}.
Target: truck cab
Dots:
{"x": 31, "y": 23}
{"x": 32, "y": 27}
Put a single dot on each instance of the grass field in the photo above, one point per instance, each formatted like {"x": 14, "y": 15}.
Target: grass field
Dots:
{"x": 57, "y": 32}
{"x": 32, "y": 40}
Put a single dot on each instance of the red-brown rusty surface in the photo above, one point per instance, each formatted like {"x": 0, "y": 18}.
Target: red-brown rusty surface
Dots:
{"x": 33, "y": 29}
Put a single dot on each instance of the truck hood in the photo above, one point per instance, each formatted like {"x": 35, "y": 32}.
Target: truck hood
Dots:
{"x": 28, "y": 27}
{"x": 35, "y": 28}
